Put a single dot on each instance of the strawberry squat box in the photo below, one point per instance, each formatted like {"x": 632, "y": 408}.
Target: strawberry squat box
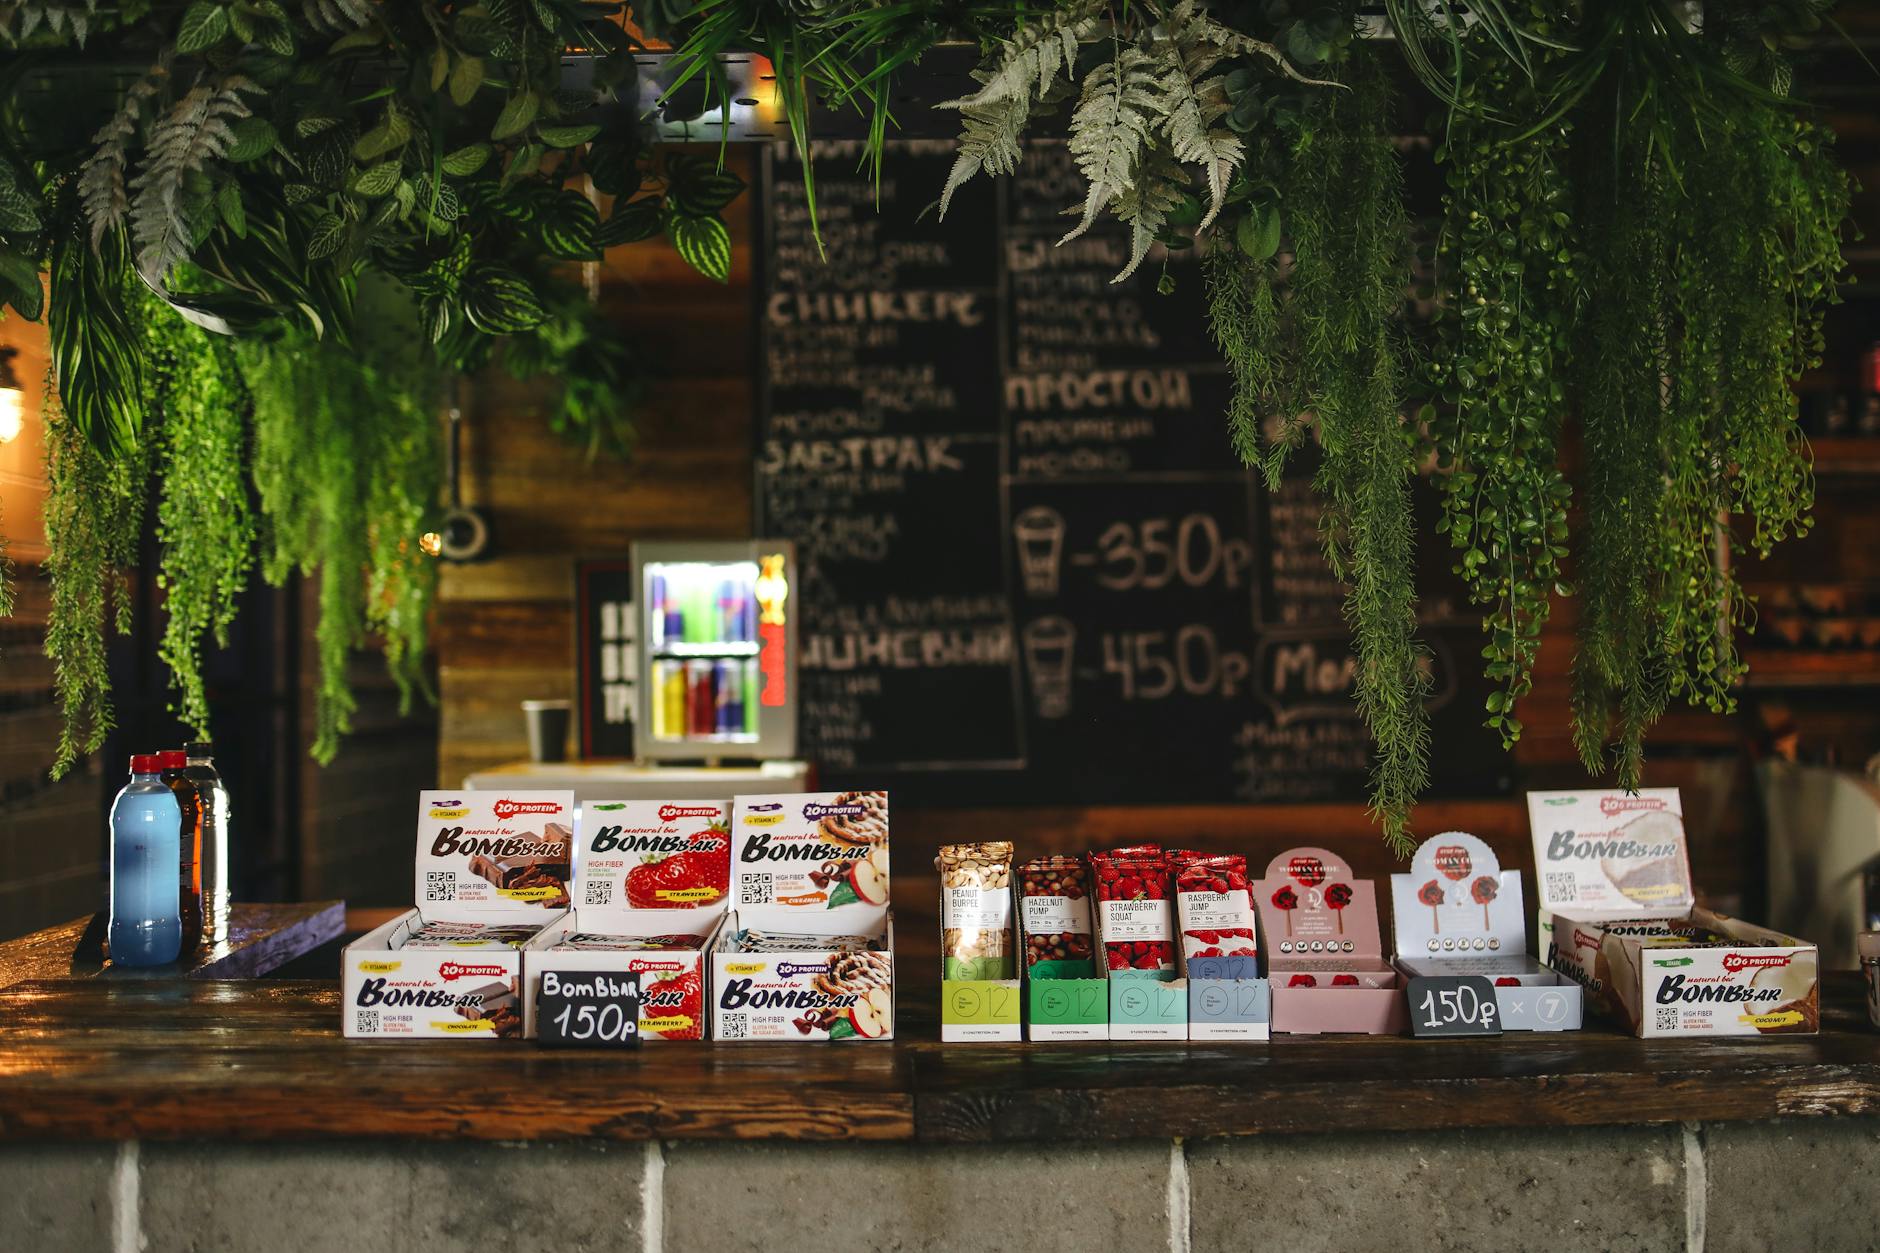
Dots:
{"x": 492, "y": 871}
{"x": 1618, "y": 915}
{"x": 652, "y": 880}
{"x": 807, "y": 952}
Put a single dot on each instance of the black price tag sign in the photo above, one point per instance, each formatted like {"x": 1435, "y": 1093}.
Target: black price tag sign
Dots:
{"x": 1446, "y": 1005}
{"x": 588, "y": 1009}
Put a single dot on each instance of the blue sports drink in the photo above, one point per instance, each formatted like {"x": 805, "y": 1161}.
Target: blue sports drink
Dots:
{"x": 146, "y": 876}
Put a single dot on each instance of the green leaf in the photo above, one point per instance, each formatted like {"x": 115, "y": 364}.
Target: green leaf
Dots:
{"x": 315, "y": 124}
{"x": 328, "y": 233}
{"x": 567, "y": 136}
{"x": 203, "y": 26}
{"x": 465, "y": 77}
{"x": 700, "y": 188}
{"x": 467, "y": 160}
{"x": 440, "y": 66}
{"x": 568, "y": 227}
{"x": 19, "y": 283}
{"x": 243, "y": 26}
{"x": 377, "y": 180}
{"x": 630, "y": 223}
{"x": 228, "y": 203}
{"x": 516, "y": 115}
{"x": 1258, "y": 232}
{"x": 704, "y": 243}
{"x": 388, "y": 136}
{"x": 841, "y": 1029}
{"x": 254, "y": 138}
{"x": 500, "y": 302}
{"x": 842, "y": 894}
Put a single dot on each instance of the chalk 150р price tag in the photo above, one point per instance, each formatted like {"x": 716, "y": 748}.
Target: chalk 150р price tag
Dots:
{"x": 588, "y": 1009}
{"x": 1450, "y": 1005}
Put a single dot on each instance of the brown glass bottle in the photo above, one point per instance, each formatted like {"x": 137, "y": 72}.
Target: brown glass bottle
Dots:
{"x": 174, "y": 767}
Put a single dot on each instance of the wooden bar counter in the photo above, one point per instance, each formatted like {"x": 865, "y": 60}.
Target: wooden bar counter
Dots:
{"x": 195, "y": 1114}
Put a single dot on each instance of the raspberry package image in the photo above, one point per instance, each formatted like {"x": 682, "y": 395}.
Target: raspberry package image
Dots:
{"x": 1215, "y": 908}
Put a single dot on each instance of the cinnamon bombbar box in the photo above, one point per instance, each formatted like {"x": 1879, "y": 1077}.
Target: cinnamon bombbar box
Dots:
{"x": 1618, "y": 915}
{"x": 492, "y": 870}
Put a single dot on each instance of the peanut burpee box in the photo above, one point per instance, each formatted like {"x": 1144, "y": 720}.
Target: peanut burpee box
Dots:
{"x": 1457, "y": 912}
{"x": 1617, "y": 915}
{"x": 651, "y": 886}
{"x": 806, "y": 867}
{"x": 492, "y": 869}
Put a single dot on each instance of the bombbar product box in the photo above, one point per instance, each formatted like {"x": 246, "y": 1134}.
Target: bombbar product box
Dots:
{"x": 807, "y": 952}
{"x": 1325, "y": 949}
{"x": 492, "y": 870}
{"x": 1457, "y": 912}
{"x": 1618, "y": 916}
{"x": 652, "y": 882}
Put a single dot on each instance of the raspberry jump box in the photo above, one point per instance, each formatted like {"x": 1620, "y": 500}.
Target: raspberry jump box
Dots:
{"x": 492, "y": 871}
{"x": 807, "y": 952}
{"x": 652, "y": 881}
{"x": 1457, "y": 912}
{"x": 1325, "y": 950}
{"x": 1619, "y": 916}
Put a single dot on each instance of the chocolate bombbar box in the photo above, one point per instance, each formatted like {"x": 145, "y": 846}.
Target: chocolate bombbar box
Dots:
{"x": 1617, "y": 915}
{"x": 492, "y": 870}
{"x": 807, "y": 952}
{"x": 652, "y": 880}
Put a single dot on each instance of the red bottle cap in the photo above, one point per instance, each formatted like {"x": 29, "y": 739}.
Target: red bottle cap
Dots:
{"x": 172, "y": 759}
{"x": 144, "y": 763}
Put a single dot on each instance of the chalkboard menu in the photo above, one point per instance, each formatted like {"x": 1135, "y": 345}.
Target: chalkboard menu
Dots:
{"x": 1031, "y": 568}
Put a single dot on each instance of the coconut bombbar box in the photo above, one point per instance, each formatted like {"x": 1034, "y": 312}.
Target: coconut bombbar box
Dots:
{"x": 493, "y": 869}
{"x": 652, "y": 881}
{"x": 1457, "y": 912}
{"x": 1619, "y": 916}
{"x": 808, "y": 950}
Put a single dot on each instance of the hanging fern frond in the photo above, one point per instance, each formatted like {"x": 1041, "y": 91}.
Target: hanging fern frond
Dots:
{"x": 336, "y": 16}
{"x": 101, "y": 181}
{"x": 1159, "y": 187}
{"x": 1027, "y": 69}
{"x": 1193, "y": 104}
{"x": 1112, "y": 126}
{"x": 193, "y": 134}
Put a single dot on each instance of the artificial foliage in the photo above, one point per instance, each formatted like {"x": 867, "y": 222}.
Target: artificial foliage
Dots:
{"x": 1639, "y": 230}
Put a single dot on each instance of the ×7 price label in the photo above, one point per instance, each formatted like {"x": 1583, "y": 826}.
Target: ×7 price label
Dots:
{"x": 1453, "y": 1005}
{"x": 588, "y": 1009}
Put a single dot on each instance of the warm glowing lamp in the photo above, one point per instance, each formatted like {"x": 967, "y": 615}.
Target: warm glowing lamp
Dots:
{"x": 12, "y": 399}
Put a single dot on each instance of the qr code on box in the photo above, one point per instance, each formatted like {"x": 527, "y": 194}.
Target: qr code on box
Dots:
{"x": 368, "y": 1020}
{"x": 1560, "y": 887}
{"x": 1667, "y": 1020}
{"x": 599, "y": 892}
{"x": 440, "y": 885}
{"x": 737, "y": 1029}
{"x": 755, "y": 889}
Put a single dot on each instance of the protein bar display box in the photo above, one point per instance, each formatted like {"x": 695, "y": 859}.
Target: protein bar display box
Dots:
{"x": 492, "y": 871}
{"x": 718, "y": 650}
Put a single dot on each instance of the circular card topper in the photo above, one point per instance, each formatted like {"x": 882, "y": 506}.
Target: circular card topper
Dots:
{"x": 1453, "y": 861}
{"x": 1308, "y": 870}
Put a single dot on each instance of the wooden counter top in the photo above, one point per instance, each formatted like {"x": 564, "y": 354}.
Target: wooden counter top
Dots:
{"x": 261, "y": 1060}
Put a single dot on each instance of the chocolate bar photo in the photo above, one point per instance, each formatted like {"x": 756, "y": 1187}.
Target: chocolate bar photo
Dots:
{"x": 532, "y": 870}
{"x": 495, "y": 1003}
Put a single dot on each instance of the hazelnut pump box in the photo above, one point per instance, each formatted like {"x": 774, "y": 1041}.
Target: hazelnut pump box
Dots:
{"x": 652, "y": 881}
{"x": 1457, "y": 912}
{"x": 492, "y": 871}
{"x": 807, "y": 952}
{"x": 1618, "y": 915}
{"x": 1325, "y": 949}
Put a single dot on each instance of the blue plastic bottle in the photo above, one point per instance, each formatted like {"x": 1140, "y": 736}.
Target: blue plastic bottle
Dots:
{"x": 146, "y": 881}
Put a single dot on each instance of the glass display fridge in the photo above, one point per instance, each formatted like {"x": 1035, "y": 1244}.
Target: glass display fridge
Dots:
{"x": 718, "y": 634}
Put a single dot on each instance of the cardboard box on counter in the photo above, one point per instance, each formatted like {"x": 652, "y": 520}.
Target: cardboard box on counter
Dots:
{"x": 1324, "y": 949}
{"x": 981, "y": 995}
{"x": 1618, "y": 915}
{"x": 492, "y": 870}
{"x": 1457, "y": 912}
{"x": 652, "y": 882}
{"x": 807, "y": 953}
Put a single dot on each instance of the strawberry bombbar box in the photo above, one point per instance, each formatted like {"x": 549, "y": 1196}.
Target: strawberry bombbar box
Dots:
{"x": 1618, "y": 915}
{"x": 1324, "y": 948}
{"x": 807, "y": 952}
{"x": 652, "y": 882}
{"x": 1457, "y": 912}
{"x": 492, "y": 870}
